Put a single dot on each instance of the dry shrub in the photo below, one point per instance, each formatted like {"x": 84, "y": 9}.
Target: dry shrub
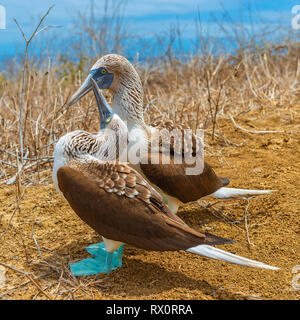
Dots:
{"x": 196, "y": 92}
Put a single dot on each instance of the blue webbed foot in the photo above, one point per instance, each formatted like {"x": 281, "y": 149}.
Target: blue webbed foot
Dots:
{"x": 100, "y": 262}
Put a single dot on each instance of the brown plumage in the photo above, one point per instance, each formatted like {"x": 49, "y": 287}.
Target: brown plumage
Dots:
{"x": 172, "y": 178}
{"x": 120, "y": 205}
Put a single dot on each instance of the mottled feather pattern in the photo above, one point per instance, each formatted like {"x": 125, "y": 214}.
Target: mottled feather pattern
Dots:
{"x": 80, "y": 143}
{"x": 116, "y": 178}
{"x": 172, "y": 178}
{"x": 191, "y": 143}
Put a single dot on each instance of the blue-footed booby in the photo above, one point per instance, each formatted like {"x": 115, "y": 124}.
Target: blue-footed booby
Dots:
{"x": 83, "y": 147}
{"x": 119, "y": 204}
{"x": 116, "y": 73}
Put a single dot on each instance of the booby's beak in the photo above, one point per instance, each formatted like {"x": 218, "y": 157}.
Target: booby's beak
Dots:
{"x": 82, "y": 91}
{"x": 104, "y": 81}
{"x": 105, "y": 111}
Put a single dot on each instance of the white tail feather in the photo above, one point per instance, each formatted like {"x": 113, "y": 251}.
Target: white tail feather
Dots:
{"x": 224, "y": 193}
{"x": 216, "y": 253}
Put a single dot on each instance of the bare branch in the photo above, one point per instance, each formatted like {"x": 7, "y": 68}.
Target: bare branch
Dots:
{"x": 28, "y": 41}
{"x": 21, "y": 30}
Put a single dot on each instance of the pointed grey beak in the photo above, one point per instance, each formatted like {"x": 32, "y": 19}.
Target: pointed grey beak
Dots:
{"x": 82, "y": 91}
{"x": 103, "y": 80}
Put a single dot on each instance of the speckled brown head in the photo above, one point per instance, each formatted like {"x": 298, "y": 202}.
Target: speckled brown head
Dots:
{"x": 116, "y": 73}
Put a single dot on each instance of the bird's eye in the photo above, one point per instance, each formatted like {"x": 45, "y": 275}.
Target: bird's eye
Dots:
{"x": 103, "y": 71}
{"x": 108, "y": 119}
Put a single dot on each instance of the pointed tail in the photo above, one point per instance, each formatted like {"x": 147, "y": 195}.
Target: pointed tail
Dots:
{"x": 231, "y": 193}
{"x": 216, "y": 253}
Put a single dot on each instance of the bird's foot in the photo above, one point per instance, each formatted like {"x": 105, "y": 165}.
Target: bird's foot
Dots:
{"x": 100, "y": 262}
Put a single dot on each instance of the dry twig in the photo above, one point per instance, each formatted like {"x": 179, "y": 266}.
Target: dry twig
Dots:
{"x": 252, "y": 131}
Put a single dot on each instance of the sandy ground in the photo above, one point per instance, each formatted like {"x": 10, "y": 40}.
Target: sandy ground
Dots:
{"x": 40, "y": 238}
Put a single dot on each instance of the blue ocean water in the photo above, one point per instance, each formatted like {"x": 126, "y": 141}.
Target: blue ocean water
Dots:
{"x": 148, "y": 21}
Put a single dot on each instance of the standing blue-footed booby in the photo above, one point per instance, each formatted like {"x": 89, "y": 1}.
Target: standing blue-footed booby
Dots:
{"x": 83, "y": 147}
{"x": 117, "y": 74}
{"x": 118, "y": 203}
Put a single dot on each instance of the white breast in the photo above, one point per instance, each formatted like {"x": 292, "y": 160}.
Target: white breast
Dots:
{"x": 60, "y": 158}
{"x": 65, "y": 150}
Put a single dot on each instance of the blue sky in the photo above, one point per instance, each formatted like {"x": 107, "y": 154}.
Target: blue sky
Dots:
{"x": 144, "y": 17}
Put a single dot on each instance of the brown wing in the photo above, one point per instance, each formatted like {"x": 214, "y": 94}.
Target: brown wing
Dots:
{"x": 120, "y": 205}
{"x": 190, "y": 142}
{"x": 172, "y": 178}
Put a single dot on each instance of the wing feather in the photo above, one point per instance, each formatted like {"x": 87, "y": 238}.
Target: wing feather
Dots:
{"x": 172, "y": 178}
{"x": 135, "y": 215}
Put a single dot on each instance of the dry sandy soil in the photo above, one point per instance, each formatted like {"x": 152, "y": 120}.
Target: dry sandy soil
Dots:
{"x": 39, "y": 238}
